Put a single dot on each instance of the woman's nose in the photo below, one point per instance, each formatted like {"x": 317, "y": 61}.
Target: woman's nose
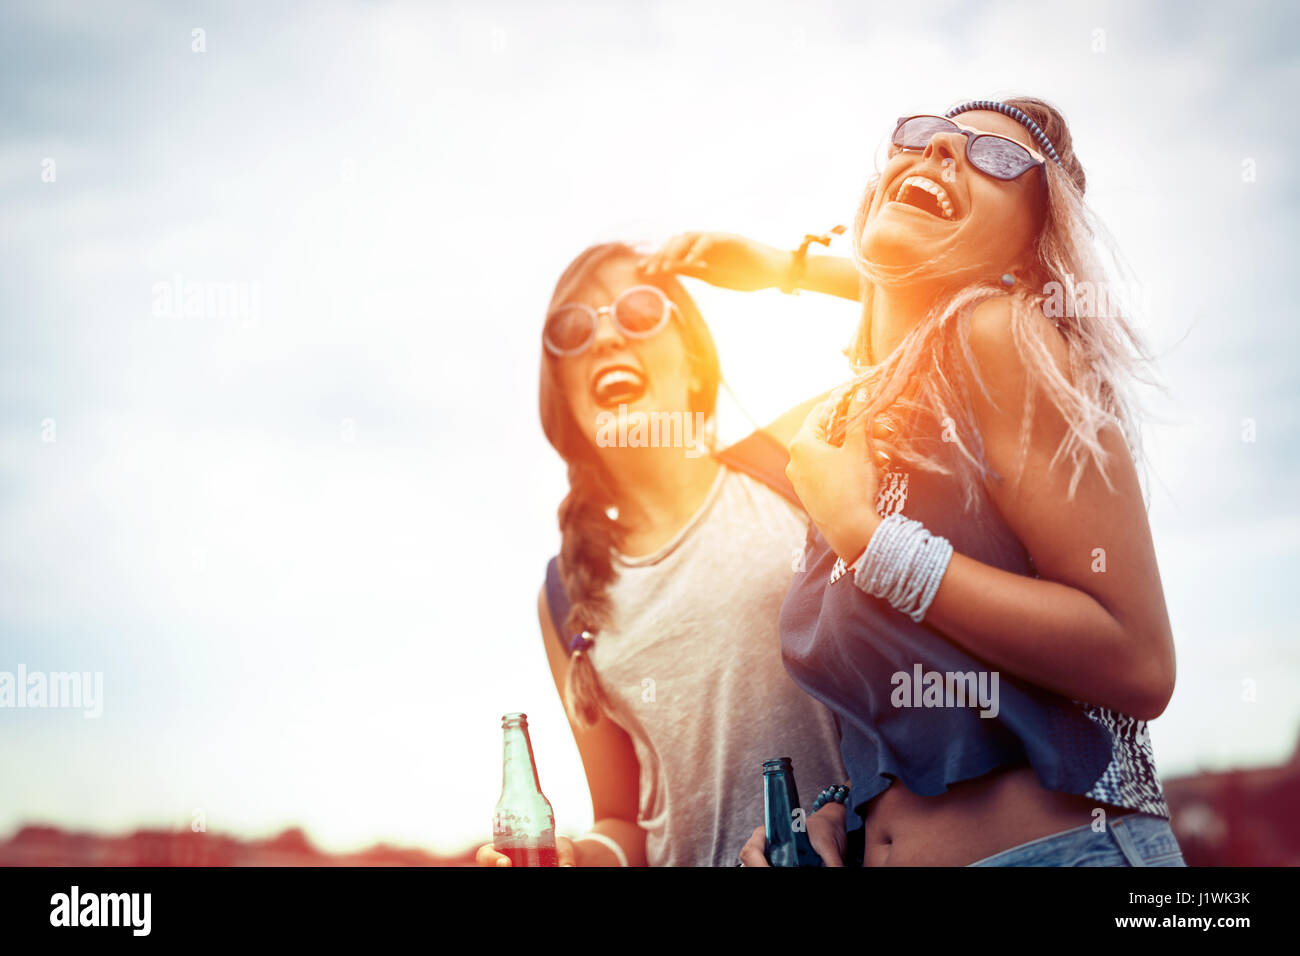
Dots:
{"x": 945, "y": 146}
{"x": 607, "y": 330}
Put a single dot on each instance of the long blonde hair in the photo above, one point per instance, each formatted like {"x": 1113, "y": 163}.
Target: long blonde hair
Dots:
{"x": 1106, "y": 354}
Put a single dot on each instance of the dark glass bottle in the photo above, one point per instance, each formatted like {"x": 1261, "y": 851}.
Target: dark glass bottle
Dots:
{"x": 523, "y": 827}
{"x": 787, "y": 843}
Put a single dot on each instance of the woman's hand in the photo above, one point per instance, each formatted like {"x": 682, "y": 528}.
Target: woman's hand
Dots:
{"x": 826, "y": 833}
{"x": 727, "y": 261}
{"x": 564, "y": 851}
{"x": 837, "y": 484}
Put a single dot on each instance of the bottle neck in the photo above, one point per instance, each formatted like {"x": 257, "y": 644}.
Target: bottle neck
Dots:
{"x": 779, "y": 802}
{"x": 518, "y": 769}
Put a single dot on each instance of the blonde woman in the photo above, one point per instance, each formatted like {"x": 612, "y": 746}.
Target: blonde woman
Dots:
{"x": 981, "y": 605}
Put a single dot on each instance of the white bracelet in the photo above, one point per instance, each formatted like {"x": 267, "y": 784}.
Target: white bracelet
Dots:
{"x": 609, "y": 843}
{"x": 903, "y": 564}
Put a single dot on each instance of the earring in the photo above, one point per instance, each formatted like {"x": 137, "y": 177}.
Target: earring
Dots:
{"x": 1008, "y": 279}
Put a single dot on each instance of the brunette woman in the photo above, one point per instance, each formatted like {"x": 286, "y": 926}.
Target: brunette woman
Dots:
{"x": 659, "y": 615}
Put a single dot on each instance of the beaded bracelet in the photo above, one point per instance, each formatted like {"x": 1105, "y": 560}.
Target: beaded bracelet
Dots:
{"x": 837, "y": 793}
{"x": 799, "y": 259}
{"x": 903, "y": 564}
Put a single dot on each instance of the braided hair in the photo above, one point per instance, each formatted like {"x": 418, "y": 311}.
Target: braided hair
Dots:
{"x": 590, "y": 531}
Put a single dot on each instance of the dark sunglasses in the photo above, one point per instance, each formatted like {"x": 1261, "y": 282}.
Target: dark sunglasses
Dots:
{"x": 638, "y": 312}
{"x": 991, "y": 154}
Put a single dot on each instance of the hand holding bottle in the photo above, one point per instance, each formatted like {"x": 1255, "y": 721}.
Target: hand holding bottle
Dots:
{"x": 826, "y": 833}
{"x": 565, "y": 854}
{"x": 523, "y": 827}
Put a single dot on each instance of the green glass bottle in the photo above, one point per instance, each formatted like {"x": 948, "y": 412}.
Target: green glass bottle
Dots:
{"x": 787, "y": 836}
{"x": 523, "y": 827}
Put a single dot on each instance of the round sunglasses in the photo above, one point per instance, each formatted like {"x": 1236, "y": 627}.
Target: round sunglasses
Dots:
{"x": 991, "y": 154}
{"x": 638, "y": 312}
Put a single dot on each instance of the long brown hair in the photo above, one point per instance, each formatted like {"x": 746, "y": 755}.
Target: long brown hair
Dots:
{"x": 1106, "y": 354}
{"x": 589, "y": 535}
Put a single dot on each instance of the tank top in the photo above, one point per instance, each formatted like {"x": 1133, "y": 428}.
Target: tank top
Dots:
{"x": 872, "y": 665}
{"x": 691, "y": 669}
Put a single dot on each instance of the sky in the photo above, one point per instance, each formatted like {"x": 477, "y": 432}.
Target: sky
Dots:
{"x": 300, "y": 530}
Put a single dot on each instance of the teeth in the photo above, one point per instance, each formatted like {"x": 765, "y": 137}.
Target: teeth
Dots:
{"x": 930, "y": 186}
{"x": 616, "y": 376}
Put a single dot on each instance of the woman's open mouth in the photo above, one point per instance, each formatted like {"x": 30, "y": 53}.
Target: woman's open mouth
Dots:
{"x": 925, "y": 194}
{"x": 617, "y": 385}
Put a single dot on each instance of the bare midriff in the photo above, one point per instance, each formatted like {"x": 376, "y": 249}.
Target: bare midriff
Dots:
{"x": 972, "y": 820}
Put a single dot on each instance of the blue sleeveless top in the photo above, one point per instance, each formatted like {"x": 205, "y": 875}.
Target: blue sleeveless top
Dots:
{"x": 860, "y": 657}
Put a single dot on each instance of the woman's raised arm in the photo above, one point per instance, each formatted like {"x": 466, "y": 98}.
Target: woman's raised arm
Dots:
{"x": 734, "y": 262}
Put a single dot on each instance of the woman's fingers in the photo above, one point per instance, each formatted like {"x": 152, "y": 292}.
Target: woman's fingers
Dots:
{"x": 837, "y": 419}
{"x": 676, "y": 249}
{"x": 654, "y": 262}
{"x": 488, "y": 856}
{"x": 751, "y": 854}
{"x": 564, "y": 852}
{"x": 823, "y": 841}
{"x": 826, "y": 833}
{"x": 855, "y": 432}
{"x": 883, "y": 432}
{"x": 693, "y": 258}
{"x": 673, "y": 255}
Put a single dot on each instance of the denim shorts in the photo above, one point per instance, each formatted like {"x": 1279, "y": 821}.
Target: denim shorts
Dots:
{"x": 1134, "y": 839}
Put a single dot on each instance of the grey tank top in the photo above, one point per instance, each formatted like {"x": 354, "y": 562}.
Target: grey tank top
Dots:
{"x": 691, "y": 668}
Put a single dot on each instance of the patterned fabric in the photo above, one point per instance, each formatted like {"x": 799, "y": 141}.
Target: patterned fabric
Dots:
{"x": 1130, "y": 780}
{"x": 891, "y": 498}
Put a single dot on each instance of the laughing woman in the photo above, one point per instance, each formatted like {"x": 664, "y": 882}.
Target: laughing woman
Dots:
{"x": 659, "y": 614}
{"x": 982, "y": 606}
